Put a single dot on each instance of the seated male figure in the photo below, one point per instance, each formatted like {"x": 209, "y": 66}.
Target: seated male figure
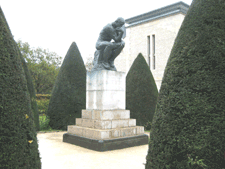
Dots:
{"x": 107, "y": 51}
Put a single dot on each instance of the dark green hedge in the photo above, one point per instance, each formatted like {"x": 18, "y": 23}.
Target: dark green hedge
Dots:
{"x": 68, "y": 96}
{"x": 189, "y": 118}
{"x": 141, "y": 93}
{"x": 31, "y": 91}
{"x": 18, "y": 141}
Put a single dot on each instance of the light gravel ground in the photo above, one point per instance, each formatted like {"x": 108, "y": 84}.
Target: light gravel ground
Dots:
{"x": 56, "y": 154}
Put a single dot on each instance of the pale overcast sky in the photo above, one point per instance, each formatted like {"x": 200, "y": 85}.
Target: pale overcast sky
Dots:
{"x": 55, "y": 24}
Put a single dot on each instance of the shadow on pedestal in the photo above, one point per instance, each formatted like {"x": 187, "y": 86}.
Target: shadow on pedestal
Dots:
{"x": 106, "y": 145}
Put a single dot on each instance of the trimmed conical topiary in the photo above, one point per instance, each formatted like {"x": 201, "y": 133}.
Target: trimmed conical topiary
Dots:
{"x": 141, "y": 93}
{"x": 18, "y": 139}
{"x": 31, "y": 91}
{"x": 68, "y": 96}
{"x": 189, "y": 122}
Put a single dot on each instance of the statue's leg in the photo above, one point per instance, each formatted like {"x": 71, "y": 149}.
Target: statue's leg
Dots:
{"x": 107, "y": 53}
{"x": 115, "y": 53}
{"x": 106, "y": 48}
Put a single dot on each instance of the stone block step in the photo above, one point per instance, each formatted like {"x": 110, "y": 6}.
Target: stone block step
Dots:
{"x": 106, "y": 114}
{"x": 105, "y": 134}
{"x": 105, "y": 124}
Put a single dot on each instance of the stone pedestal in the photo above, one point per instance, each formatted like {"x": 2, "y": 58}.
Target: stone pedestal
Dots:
{"x": 105, "y": 90}
{"x": 105, "y": 124}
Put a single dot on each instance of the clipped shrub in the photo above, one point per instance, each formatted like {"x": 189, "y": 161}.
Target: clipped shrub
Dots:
{"x": 188, "y": 125}
{"x": 68, "y": 96}
{"x": 18, "y": 140}
{"x": 31, "y": 91}
{"x": 141, "y": 93}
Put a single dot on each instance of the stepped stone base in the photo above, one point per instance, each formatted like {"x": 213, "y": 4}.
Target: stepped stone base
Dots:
{"x": 105, "y": 124}
{"x": 108, "y": 144}
{"x": 105, "y": 134}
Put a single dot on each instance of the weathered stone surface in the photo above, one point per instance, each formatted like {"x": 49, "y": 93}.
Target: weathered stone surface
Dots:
{"x": 105, "y": 90}
{"x": 106, "y": 114}
{"x": 105, "y": 124}
{"x": 102, "y": 134}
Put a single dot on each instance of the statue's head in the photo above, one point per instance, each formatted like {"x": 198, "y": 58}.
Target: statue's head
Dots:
{"x": 119, "y": 22}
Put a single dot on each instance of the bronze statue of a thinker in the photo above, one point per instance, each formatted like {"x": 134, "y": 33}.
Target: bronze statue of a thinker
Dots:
{"x": 108, "y": 50}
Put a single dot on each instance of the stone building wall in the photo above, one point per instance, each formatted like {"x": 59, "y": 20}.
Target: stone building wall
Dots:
{"x": 165, "y": 31}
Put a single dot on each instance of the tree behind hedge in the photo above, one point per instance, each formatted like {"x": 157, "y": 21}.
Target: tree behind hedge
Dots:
{"x": 31, "y": 92}
{"x": 18, "y": 139}
{"x": 141, "y": 93}
{"x": 68, "y": 96}
{"x": 43, "y": 66}
{"x": 188, "y": 125}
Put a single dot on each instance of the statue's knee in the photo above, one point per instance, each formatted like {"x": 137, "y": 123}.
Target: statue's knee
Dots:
{"x": 109, "y": 47}
{"x": 123, "y": 44}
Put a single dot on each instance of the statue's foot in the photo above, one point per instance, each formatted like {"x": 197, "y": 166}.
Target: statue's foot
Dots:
{"x": 111, "y": 63}
{"x": 112, "y": 66}
{"x": 106, "y": 65}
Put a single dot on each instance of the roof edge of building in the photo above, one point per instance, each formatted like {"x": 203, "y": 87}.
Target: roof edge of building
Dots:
{"x": 155, "y": 18}
{"x": 158, "y": 13}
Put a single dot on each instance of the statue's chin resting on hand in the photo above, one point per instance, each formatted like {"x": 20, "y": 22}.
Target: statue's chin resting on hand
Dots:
{"x": 107, "y": 51}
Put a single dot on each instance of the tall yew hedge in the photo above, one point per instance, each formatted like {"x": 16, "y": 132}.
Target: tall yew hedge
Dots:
{"x": 18, "y": 139}
{"x": 141, "y": 93}
{"x": 68, "y": 96}
{"x": 31, "y": 91}
{"x": 189, "y": 123}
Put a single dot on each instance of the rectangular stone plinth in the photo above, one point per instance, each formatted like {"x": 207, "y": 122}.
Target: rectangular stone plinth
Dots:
{"x": 103, "y": 100}
{"x": 106, "y": 114}
{"x": 104, "y": 134}
{"x": 106, "y": 145}
{"x": 105, "y": 90}
{"x": 105, "y": 80}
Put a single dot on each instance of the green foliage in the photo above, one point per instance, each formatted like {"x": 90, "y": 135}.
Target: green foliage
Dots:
{"x": 43, "y": 96}
{"x": 18, "y": 140}
{"x": 31, "y": 92}
{"x": 42, "y": 65}
{"x": 89, "y": 64}
{"x": 141, "y": 93}
{"x": 43, "y": 105}
{"x": 44, "y": 122}
{"x": 68, "y": 97}
{"x": 189, "y": 121}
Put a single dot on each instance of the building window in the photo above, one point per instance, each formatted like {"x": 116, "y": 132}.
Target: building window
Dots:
{"x": 153, "y": 50}
{"x": 148, "y": 51}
